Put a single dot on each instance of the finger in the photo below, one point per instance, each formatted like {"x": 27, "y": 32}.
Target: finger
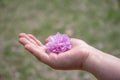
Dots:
{"x": 22, "y": 35}
{"x": 35, "y": 39}
{"x": 75, "y": 42}
{"x": 30, "y": 39}
{"x": 24, "y": 41}
{"x": 38, "y": 53}
{"x": 27, "y": 37}
{"x": 46, "y": 40}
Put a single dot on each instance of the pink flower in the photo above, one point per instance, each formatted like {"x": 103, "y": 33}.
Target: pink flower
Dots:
{"x": 58, "y": 43}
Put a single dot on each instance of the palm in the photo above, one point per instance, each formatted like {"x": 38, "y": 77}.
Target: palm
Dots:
{"x": 71, "y": 59}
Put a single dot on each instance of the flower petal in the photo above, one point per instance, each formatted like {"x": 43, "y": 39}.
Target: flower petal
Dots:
{"x": 58, "y": 43}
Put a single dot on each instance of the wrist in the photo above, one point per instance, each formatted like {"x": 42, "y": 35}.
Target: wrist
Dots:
{"x": 93, "y": 60}
{"x": 102, "y": 66}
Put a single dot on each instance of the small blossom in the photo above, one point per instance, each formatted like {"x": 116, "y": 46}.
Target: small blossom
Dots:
{"x": 58, "y": 43}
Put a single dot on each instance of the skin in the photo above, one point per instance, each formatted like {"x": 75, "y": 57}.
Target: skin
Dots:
{"x": 81, "y": 57}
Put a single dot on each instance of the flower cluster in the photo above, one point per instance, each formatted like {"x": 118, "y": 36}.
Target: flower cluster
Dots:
{"x": 58, "y": 43}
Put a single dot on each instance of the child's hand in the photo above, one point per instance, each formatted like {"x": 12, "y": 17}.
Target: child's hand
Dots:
{"x": 71, "y": 59}
{"x": 80, "y": 56}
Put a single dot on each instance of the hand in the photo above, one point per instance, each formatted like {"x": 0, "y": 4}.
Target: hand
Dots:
{"x": 81, "y": 56}
{"x": 71, "y": 59}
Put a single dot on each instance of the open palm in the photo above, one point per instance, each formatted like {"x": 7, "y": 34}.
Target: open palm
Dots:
{"x": 71, "y": 59}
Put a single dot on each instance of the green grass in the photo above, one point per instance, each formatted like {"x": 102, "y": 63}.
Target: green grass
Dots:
{"x": 96, "y": 22}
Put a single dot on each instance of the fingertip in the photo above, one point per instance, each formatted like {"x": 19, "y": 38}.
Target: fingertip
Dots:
{"x": 46, "y": 40}
{"x": 21, "y": 40}
{"x": 24, "y": 41}
{"x": 30, "y": 35}
{"x": 21, "y": 34}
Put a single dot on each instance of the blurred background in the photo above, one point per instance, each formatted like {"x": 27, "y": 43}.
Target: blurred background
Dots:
{"x": 95, "y": 21}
